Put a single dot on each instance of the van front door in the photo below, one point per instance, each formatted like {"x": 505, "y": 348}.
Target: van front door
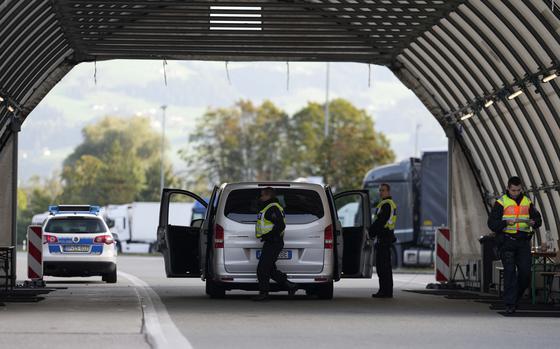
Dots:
{"x": 353, "y": 210}
{"x": 178, "y": 241}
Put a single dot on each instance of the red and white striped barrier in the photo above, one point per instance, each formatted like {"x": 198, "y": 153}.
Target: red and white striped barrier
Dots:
{"x": 443, "y": 255}
{"x": 35, "y": 252}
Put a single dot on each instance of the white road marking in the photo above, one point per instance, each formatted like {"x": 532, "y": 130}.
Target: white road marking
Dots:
{"x": 159, "y": 329}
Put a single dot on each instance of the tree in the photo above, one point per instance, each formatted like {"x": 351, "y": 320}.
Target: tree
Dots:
{"x": 263, "y": 143}
{"x": 134, "y": 134}
{"x": 240, "y": 143}
{"x": 42, "y": 192}
{"x": 151, "y": 191}
{"x": 81, "y": 181}
{"x": 122, "y": 176}
{"x": 116, "y": 163}
{"x": 352, "y": 148}
{"x": 269, "y": 133}
{"x": 307, "y": 137}
{"x": 33, "y": 198}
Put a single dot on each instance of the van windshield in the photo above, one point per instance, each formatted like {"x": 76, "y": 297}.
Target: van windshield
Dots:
{"x": 300, "y": 206}
{"x": 75, "y": 225}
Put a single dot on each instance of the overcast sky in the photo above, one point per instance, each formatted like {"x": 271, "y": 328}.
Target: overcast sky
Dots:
{"x": 127, "y": 88}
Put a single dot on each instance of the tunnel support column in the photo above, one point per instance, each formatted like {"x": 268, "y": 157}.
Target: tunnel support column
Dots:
{"x": 450, "y": 133}
{"x": 8, "y": 199}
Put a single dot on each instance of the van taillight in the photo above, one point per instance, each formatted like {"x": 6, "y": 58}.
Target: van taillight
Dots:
{"x": 329, "y": 237}
{"x": 218, "y": 236}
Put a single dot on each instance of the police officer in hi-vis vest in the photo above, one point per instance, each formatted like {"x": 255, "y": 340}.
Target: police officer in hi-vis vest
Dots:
{"x": 270, "y": 226}
{"x": 383, "y": 228}
{"x": 513, "y": 219}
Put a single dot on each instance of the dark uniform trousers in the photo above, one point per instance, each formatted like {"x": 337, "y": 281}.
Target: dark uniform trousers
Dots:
{"x": 266, "y": 268}
{"x": 384, "y": 268}
{"x": 516, "y": 260}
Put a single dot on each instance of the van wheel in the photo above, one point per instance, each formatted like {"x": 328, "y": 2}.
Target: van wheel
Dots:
{"x": 213, "y": 290}
{"x": 110, "y": 278}
{"x": 325, "y": 291}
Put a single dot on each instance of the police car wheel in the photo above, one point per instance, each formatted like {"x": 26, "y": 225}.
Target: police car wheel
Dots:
{"x": 110, "y": 278}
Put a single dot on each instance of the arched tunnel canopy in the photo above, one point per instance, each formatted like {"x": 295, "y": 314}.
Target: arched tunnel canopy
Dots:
{"x": 463, "y": 59}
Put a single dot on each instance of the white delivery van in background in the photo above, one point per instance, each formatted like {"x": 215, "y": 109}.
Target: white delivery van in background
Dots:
{"x": 134, "y": 225}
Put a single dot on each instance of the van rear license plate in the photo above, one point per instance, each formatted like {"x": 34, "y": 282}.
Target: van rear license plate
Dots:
{"x": 75, "y": 248}
{"x": 284, "y": 254}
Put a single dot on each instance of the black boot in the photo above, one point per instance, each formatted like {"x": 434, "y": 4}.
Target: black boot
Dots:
{"x": 510, "y": 309}
{"x": 381, "y": 295}
{"x": 263, "y": 296}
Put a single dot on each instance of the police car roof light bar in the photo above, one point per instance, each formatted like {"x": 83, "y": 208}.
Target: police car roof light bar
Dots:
{"x": 56, "y": 209}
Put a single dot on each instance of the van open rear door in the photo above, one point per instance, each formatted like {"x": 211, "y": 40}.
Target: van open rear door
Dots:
{"x": 337, "y": 235}
{"x": 179, "y": 244}
{"x": 353, "y": 210}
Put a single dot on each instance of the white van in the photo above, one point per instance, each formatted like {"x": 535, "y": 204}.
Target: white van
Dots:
{"x": 222, "y": 249}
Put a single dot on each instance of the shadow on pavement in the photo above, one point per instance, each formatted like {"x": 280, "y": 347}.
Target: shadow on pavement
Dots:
{"x": 23, "y": 295}
{"x": 73, "y": 282}
{"x": 495, "y": 303}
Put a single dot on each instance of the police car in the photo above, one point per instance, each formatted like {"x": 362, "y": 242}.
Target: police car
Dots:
{"x": 77, "y": 242}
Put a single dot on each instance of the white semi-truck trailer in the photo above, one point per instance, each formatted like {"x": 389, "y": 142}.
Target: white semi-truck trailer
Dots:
{"x": 134, "y": 225}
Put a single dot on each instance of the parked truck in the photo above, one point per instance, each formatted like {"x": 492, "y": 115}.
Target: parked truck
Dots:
{"x": 419, "y": 188}
{"x": 135, "y": 225}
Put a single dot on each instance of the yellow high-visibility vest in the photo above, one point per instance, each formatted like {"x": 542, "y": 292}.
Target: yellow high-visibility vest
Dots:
{"x": 264, "y": 226}
{"x": 514, "y": 211}
{"x": 392, "y": 221}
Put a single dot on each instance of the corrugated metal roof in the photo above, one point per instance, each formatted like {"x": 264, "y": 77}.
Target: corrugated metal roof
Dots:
{"x": 462, "y": 58}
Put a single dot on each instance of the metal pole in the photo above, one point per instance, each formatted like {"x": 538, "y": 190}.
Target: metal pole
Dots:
{"x": 450, "y": 148}
{"x": 327, "y": 102}
{"x": 161, "y": 181}
{"x": 450, "y": 133}
{"x": 416, "y": 140}
{"x": 16, "y": 127}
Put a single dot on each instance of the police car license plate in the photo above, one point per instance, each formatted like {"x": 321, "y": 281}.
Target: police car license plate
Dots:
{"x": 75, "y": 248}
{"x": 284, "y": 254}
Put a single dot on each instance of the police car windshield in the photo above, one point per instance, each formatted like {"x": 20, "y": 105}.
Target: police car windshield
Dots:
{"x": 75, "y": 225}
{"x": 300, "y": 206}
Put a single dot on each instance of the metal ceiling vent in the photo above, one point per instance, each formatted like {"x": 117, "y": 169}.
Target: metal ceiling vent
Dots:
{"x": 235, "y": 18}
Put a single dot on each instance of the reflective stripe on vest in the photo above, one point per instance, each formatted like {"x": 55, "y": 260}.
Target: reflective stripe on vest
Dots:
{"x": 265, "y": 226}
{"x": 513, "y": 211}
{"x": 392, "y": 221}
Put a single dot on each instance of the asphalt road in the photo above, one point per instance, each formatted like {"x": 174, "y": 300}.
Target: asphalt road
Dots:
{"x": 144, "y": 309}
